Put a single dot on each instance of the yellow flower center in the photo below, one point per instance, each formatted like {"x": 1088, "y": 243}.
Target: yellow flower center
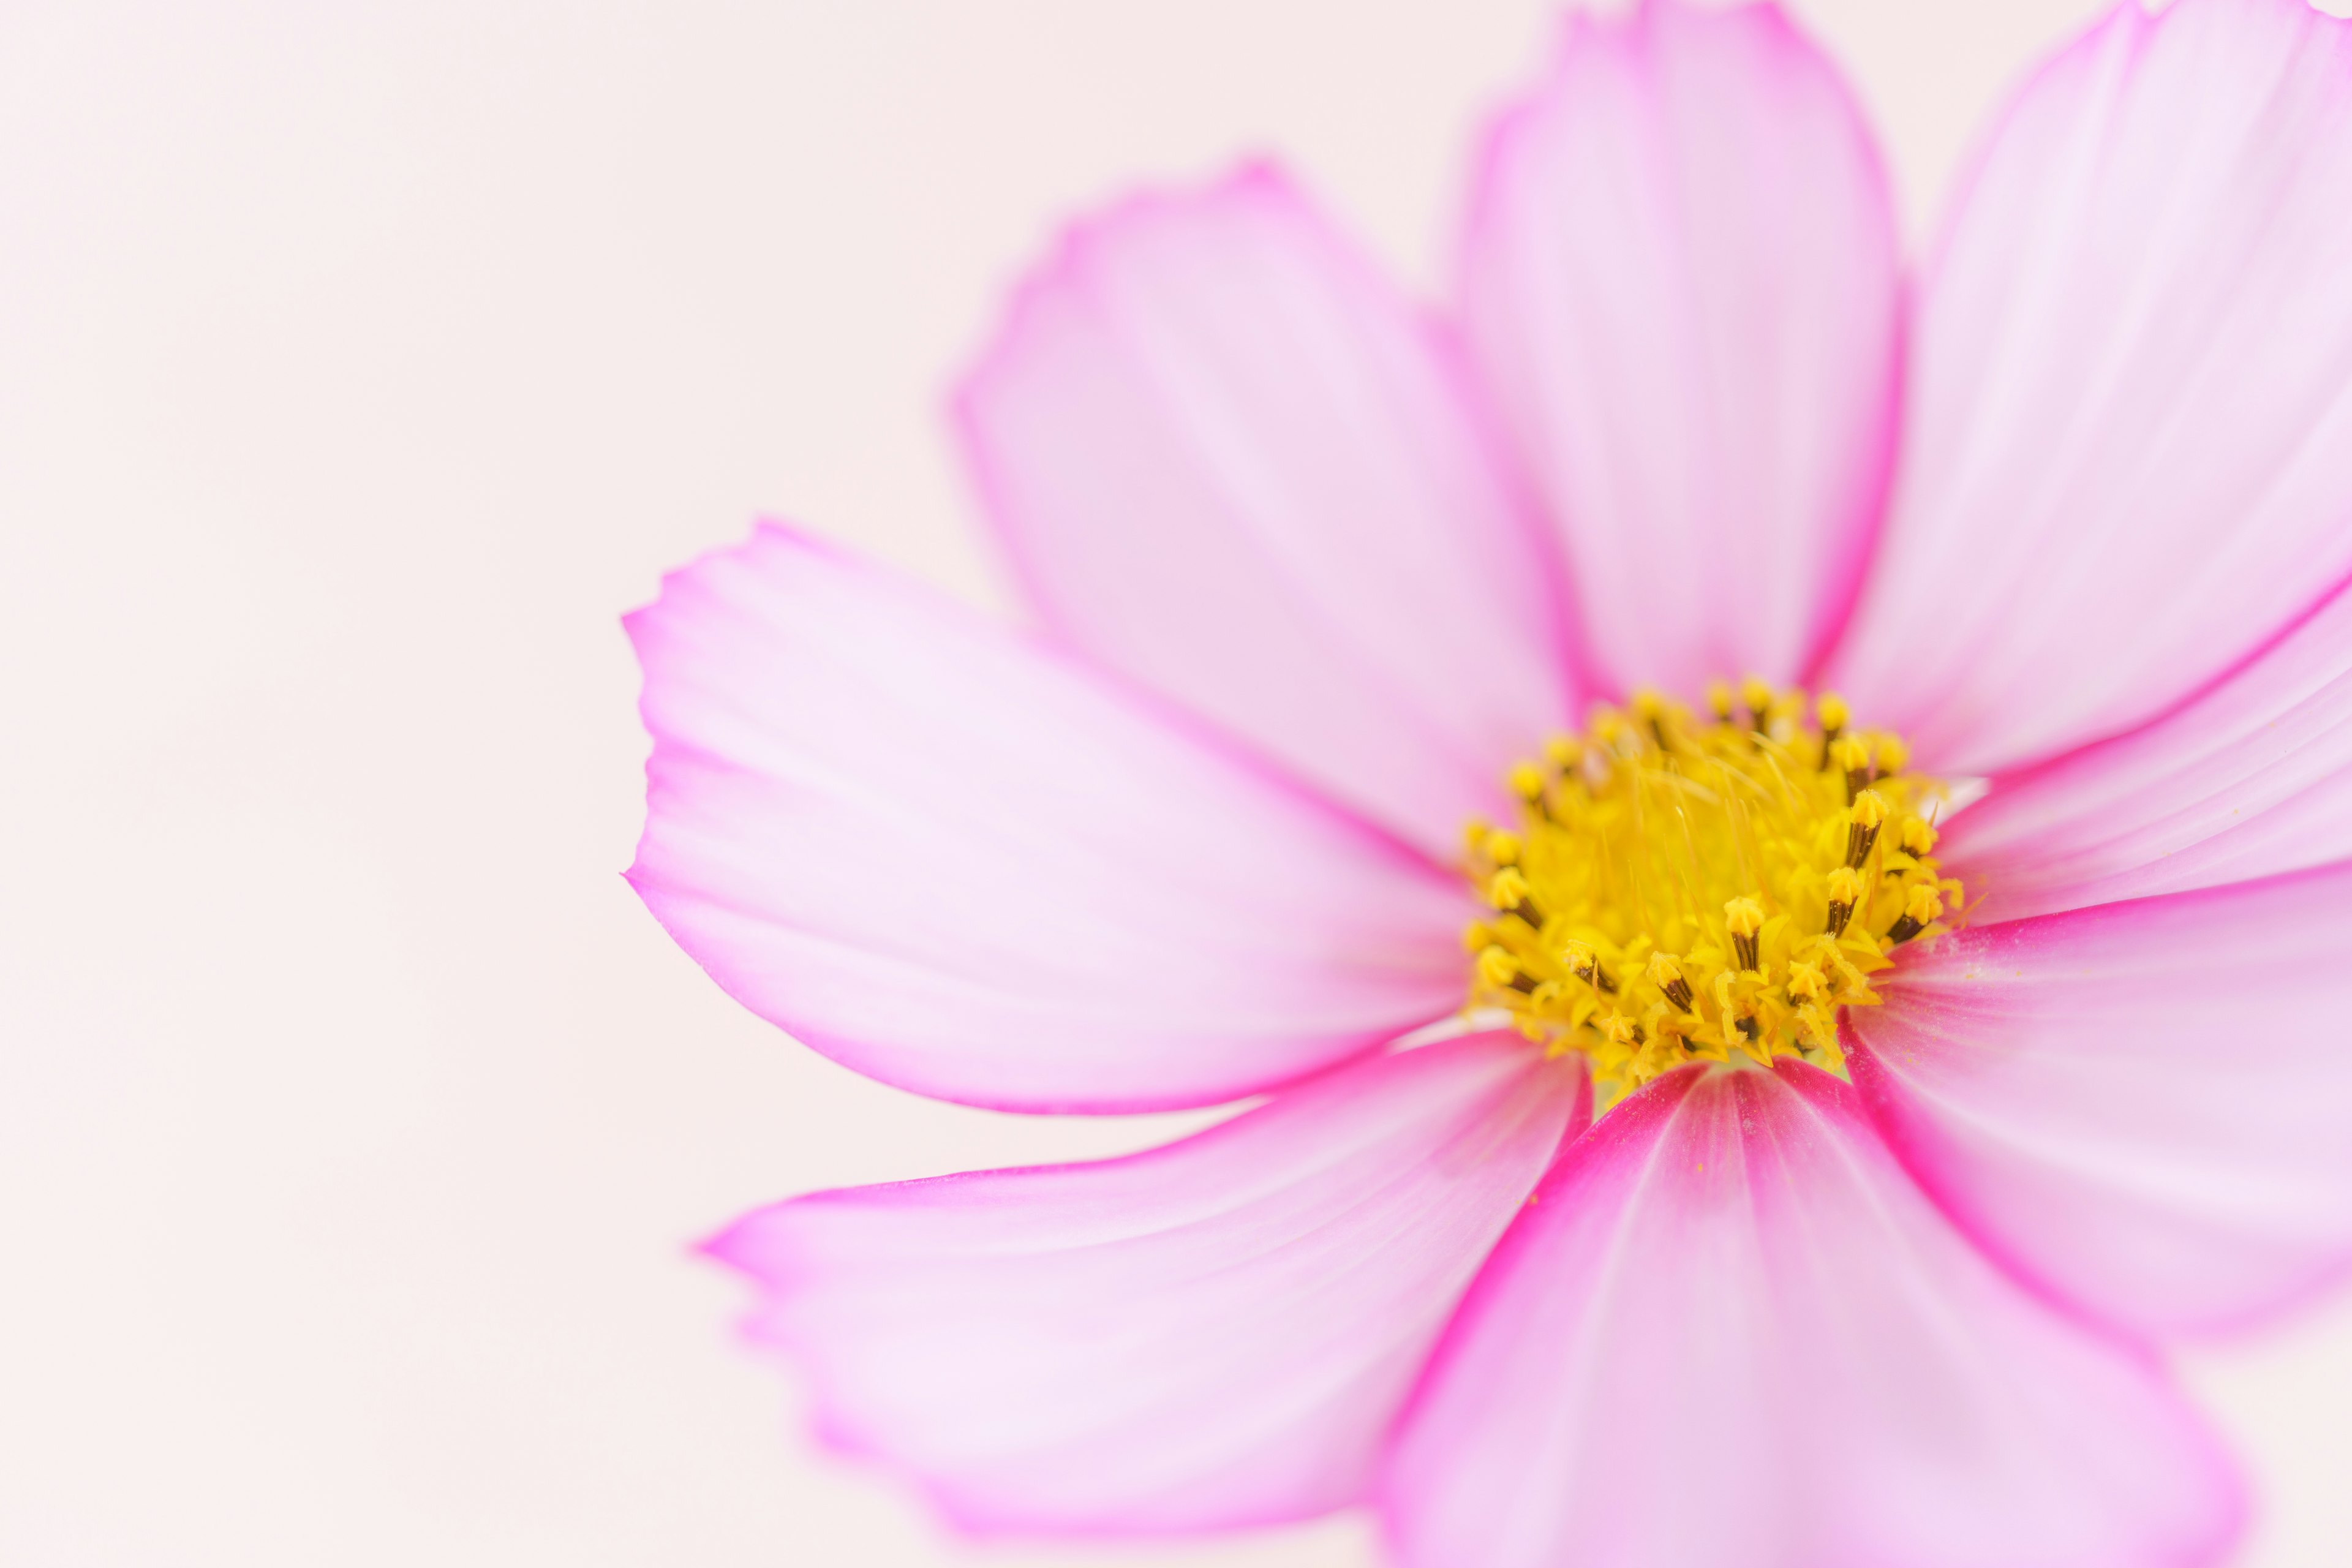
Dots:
{"x": 1678, "y": 891}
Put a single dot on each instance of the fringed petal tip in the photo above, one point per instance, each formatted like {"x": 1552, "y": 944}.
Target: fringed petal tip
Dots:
{"x": 2128, "y": 452}
{"x": 1210, "y": 1335}
{"x": 1680, "y": 281}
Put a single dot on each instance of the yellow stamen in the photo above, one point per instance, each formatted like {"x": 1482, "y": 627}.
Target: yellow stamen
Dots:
{"x": 1668, "y": 976}
{"x": 1917, "y": 838}
{"x": 1863, "y": 820}
{"x": 1831, "y": 709}
{"x": 1509, "y": 893}
{"x": 1744, "y": 918}
{"x": 1922, "y": 906}
{"x": 1684, "y": 888}
{"x": 1850, "y": 755}
{"x": 1845, "y": 890}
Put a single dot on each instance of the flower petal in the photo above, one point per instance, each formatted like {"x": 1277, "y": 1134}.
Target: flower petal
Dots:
{"x": 2252, "y": 779}
{"x": 1681, "y": 281}
{"x": 1211, "y": 1334}
{"x": 2140, "y": 1107}
{"x": 1730, "y": 1333}
{"x": 963, "y": 865}
{"x": 1227, "y": 460}
{"x": 2129, "y": 459}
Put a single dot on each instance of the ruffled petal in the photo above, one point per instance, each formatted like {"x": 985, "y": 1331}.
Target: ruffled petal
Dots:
{"x": 1212, "y": 1334}
{"x": 963, "y": 865}
{"x": 1226, "y": 460}
{"x": 1730, "y": 1333}
{"x": 2252, "y": 779}
{"x": 1681, "y": 282}
{"x": 2129, "y": 454}
{"x": 2144, "y": 1108}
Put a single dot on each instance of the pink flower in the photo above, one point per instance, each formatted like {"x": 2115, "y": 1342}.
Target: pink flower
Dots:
{"x": 1919, "y": 1132}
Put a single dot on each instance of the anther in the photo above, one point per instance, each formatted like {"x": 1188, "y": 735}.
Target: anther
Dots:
{"x": 1757, "y": 697}
{"x": 1477, "y": 936}
{"x": 1527, "y": 783}
{"x": 1863, "y": 822}
{"x": 1498, "y": 969}
{"x": 1509, "y": 890}
{"x": 1744, "y": 918}
{"x": 1502, "y": 849}
{"x": 1718, "y": 700}
{"x": 1918, "y": 839}
{"x": 1891, "y": 756}
{"x": 1845, "y": 891}
{"x": 1668, "y": 976}
{"x": 1852, "y": 754}
{"x": 1564, "y": 754}
{"x": 1831, "y": 709}
{"x": 1806, "y": 982}
{"x": 1651, "y": 709}
{"x": 1579, "y": 959}
{"x": 1919, "y": 911}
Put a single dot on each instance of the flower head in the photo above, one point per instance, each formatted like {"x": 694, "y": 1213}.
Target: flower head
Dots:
{"x": 1706, "y": 1124}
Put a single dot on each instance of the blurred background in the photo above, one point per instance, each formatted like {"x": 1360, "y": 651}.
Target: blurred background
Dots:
{"x": 359, "y": 365}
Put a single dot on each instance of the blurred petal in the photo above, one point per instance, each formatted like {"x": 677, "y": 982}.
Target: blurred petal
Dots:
{"x": 2144, "y": 1108}
{"x": 2252, "y": 779}
{"x": 2129, "y": 454}
{"x": 1228, "y": 461}
{"x": 960, "y": 864}
{"x": 1214, "y": 1333}
{"x": 1730, "y": 1333}
{"x": 1681, "y": 282}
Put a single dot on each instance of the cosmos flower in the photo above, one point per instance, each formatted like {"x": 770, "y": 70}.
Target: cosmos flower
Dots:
{"x": 1773, "y": 840}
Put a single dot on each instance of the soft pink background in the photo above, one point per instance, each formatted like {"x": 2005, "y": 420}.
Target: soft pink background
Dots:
{"x": 355, "y": 372}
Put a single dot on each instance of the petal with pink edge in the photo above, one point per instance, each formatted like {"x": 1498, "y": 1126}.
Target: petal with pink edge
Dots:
{"x": 1681, "y": 282}
{"x": 2144, "y": 1108}
{"x": 2252, "y": 779}
{"x": 1730, "y": 1333}
{"x": 960, "y": 864}
{"x": 1212, "y": 1334}
{"x": 1227, "y": 460}
{"x": 2129, "y": 454}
